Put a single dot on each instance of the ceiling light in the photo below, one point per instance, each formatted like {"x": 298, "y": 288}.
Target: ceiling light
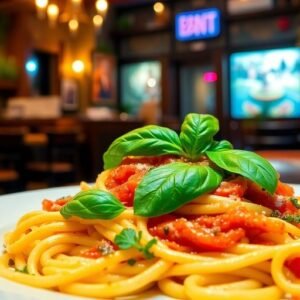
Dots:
{"x": 158, "y": 7}
{"x": 78, "y": 66}
{"x": 52, "y": 12}
{"x": 98, "y": 21}
{"x": 101, "y": 6}
{"x": 73, "y": 25}
{"x": 41, "y": 6}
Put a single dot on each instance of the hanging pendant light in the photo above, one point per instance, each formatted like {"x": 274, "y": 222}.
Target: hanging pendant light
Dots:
{"x": 73, "y": 26}
{"x": 101, "y": 7}
{"x": 41, "y": 7}
{"x": 52, "y": 12}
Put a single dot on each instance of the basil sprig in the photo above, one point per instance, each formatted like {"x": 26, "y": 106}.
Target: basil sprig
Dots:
{"x": 93, "y": 204}
{"x": 128, "y": 238}
{"x": 166, "y": 188}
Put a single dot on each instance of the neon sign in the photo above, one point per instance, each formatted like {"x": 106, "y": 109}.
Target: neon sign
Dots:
{"x": 198, "y": 24}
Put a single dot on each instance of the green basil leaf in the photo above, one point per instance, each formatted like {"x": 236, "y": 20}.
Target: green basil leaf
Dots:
{"x": 146, "y": 141}
{"x": 197, "y": 133}
{"x": 164, "y": 189}
{"x": 93, "y": 204}
{"x": 126, "y": 239}
{"x": 247, "y": 164}
{"x": 220, "y": 145}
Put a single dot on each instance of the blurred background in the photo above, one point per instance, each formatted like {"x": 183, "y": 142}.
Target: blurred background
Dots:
{"x": 76, "y": 74}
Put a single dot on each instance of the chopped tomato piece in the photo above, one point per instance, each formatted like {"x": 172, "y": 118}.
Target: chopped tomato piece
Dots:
{"x": 215, "y": 233}
{"x": 235, "y": 187}
{"x": 293, "y": 265}
{"x": 104, "y": 248}
{"x": 284, "y": 189}
{"x": 56, "y": 205}
{"x": 120, "y": 175}
{"x": 277, "y": 201}
{"x": 125, "y": 191}
{"x": 92, "y": 253}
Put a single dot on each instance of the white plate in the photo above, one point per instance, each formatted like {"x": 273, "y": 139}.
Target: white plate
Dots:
{"x": 12, "y": 207}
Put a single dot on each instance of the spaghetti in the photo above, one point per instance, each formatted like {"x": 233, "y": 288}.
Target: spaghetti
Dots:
{"x": 223, "y": 244}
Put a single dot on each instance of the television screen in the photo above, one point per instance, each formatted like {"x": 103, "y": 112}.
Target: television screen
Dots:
{"x": 265, "y": 84}
{"x": 140, "y": 85}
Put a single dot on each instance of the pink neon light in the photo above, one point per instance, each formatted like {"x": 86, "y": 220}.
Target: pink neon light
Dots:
{"x": 210, "y": 77}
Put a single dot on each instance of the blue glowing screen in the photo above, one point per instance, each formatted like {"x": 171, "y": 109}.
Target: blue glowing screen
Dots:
{"x": 265, "y": 83}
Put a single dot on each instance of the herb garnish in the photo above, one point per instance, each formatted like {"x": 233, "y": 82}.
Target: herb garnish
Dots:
{"x": 128, "y": 238}
{"x": 286, "y": 217}
{"x": 93, "y": 204}
{"x": 295, "y": 202}
{"x": 166, "y": 188}
{"x": 24, "y": 270}
{"x": 131, "y": 261}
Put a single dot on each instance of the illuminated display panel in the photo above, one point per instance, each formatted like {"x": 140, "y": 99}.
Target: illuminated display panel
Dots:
{"x": 265, "y": 83}
{"x": 198, "y": 24}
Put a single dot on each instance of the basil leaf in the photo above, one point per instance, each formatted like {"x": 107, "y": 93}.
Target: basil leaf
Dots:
{"x": 164, "y": 189}
{"x": 197, "y": 133}
{"x": 93, "y": 204}
{"x": 247, "y": 164}
{"x": 220, "y": 145}
{"x": 146, "y": 141}
{"x": 126, "y": 239}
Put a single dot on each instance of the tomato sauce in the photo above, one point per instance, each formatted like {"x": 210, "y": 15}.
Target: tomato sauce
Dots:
{"x": 214, "y": 233}
{"x": 243, "y": 188}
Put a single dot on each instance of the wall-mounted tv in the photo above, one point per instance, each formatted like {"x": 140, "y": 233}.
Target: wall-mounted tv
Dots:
{"x": 140, "y": 83}
{"x": 265, "y": 83}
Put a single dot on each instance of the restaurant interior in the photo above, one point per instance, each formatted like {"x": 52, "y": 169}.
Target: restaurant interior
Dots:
{"x": 76, "y": 74}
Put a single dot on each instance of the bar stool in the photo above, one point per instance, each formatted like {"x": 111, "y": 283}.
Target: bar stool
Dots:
{"x": 58, "y": 160}
{"x": 12, "y": 157}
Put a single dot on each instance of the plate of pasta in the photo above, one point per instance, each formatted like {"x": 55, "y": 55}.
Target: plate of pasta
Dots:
{"x": 171, "y": 216}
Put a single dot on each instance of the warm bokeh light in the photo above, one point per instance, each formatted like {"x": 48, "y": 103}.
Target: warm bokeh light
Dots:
{"x": 98, "y": 21}
{"x": 101, "y": 6}
{"x": 52, "y": 12}
{"x": 41, "y": 3}
{"x": 78, "y": 66}
{"x": 73, "y": 25}
{"x": 158, "y": 7}
{"x": 41, "y": 6}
